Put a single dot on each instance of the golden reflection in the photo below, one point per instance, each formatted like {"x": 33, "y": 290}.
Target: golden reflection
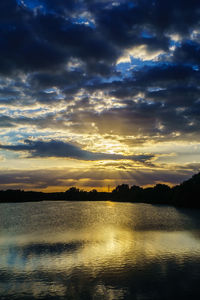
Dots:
{"x": 110, "y": 203}
{"x": 66, "y": 248}
{"x": 100, "y": 249}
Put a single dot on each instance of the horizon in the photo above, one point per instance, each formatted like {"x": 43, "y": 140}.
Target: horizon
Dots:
{"x": 105, "y": 189}
{"x": 98, "y": 93}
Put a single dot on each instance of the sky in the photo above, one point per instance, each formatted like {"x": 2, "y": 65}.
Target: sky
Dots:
{"x": 96, "y": 93}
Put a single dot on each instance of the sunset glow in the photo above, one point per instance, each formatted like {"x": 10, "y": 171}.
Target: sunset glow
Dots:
{"x": 98, "y": 93}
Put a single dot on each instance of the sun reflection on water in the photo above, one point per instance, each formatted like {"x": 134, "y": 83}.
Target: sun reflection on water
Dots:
{"x": 100, "y": 255}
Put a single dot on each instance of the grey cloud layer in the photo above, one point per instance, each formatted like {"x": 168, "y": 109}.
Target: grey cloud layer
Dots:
{"x": 42, "y": 179}
{"x": 61, "y": 149}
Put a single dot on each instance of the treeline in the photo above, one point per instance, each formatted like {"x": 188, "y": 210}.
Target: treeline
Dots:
{"x": 187, "y": 194}
{"x": 72, "y": 194}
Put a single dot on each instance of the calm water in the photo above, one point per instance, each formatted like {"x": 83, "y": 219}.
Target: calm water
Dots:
{"x": 98, "y": 250}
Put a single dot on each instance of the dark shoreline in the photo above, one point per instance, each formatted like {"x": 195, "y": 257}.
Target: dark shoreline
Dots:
{"x": 187, "y": 194}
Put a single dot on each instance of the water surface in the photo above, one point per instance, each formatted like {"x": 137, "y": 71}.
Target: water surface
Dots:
{"x": 98, "y": 250}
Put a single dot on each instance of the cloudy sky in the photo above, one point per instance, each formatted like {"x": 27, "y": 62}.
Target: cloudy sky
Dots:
{"x": 98, "y": 92}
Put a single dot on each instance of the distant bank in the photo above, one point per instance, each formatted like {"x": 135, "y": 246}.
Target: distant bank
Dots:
{"x": 187, "y": 194}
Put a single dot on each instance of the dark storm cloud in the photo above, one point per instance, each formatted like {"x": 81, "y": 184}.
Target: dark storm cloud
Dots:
{"x": 68, "y": 83}
{"x": 59, "y": 79}
{"x": 179, "y": 96}
{"x": 74, "y": 45}
{"x": 60, "y": 6}
{"x": 188, "y": 52}
{"x": 146, "y": 22}
{"x": 165, "y": 75}
{"x": 78, "y": 40}
{"x": 124, "y": 24}
{"x": 21, "y": 48}
{"x": 44, "y": 39}
{"x": 55, "y": 148}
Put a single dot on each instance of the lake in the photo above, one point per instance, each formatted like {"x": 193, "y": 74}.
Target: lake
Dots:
{"x": 98, "y": 250}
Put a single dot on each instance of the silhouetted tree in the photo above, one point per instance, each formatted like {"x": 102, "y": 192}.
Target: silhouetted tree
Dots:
{"x": 121, "y": 192}
{"x": 136, "y": 193}
{"x": 186, "y": 194}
